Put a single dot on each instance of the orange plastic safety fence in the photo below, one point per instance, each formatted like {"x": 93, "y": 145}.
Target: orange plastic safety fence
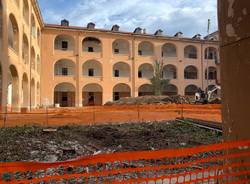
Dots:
{"x": 221, "y": 163}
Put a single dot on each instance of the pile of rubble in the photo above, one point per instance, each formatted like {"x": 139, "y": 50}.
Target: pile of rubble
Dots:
{"x": 177, "y": 99}
{"x": 70, "y": 142}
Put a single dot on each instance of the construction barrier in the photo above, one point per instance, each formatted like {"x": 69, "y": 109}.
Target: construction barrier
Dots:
{"x": 221, "y": 163}
{"x": 109, "y": 114}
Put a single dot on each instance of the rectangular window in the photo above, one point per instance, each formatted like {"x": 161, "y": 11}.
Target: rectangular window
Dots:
{"x": 64, "y": 45}
{"x": 139, "y": 52}
{"x": 91, "y": 72}
{"x": 90, "y": 49}
{"x": 64, "y": 71}
{"x": 117, "y": 51}
{"x": 117, "y": 73}
{"x": 139, "y": 74}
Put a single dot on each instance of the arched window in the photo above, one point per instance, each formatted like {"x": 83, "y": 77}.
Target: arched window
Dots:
{"x": 169, "y": 72}
{"x": 170, "y": 90}
{"x": 211, "y": 53}
{"x": 145, "y": 49}
{"x": 33, "y": 26}
{"x": 169, "y": 50}
{"x": 121, "y": 90}
{"x": 145, "y": 90}
{"x": 190, "y": 90}
{"x": 120, "y": 47}
{"x": 92, "y": 94}
{"x": 190, "y": 52}
{"x": 33, "y": 58}
{"x": 25, "y": 53}
{"x": 190, "y": 72}
{"x": 64, "y": 95}
{"x": 92, "y": 68}
{"x": 212, "y": 73}
{"x": 121, "y": 69}
{"x": 26, "y": 11}
{"x": 13, "y": 33}
{"x": 64, "y": 42}
{"x": 91, "y": 44}
{"x": 146, "y": 71}
{"x": 64, "y": 67}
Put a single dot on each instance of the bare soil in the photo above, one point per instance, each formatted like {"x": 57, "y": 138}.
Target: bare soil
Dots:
{"x": 69, "y": 142}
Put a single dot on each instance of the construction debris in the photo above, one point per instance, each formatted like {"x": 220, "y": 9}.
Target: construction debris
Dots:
{"x": 69, "y": 142}
{"x": 177, "y": 99}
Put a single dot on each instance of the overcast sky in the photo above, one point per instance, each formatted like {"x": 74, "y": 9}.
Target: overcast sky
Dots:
{"x": 187, "y": 16}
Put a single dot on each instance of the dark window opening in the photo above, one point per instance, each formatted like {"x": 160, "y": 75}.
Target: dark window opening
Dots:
{"x": 64, "y": 45}
{"x": 64, "y": 98}
{"x": 91, "y": 97}
{"x": 90, "y": 49}
{"x": 117, "y": 51}
{"x": 64, "y": 71}
{"x": 140, "y": 74}
{"x": 139, "y": 52}
{"x": 117, "y": 73}
{"x": 116, "y": 96}
{"x": 91, "y": 72}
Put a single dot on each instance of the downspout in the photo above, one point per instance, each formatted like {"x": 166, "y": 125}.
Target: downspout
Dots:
{"x": 133, "y": 67}
{"x": 202, "y": 61}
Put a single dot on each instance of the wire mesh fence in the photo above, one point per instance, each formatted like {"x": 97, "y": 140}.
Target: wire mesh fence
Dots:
{"x": 109, "y": 114}
{"x": 220, "y": 163}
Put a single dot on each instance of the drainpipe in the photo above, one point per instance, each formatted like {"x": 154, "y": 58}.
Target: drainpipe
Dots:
{"x": 133, "y": 77}
{"x": 202, "y": 62}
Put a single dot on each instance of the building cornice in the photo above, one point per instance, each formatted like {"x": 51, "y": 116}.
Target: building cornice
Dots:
{"x": 123, "y": 33}
{"x": 37, "y": 12}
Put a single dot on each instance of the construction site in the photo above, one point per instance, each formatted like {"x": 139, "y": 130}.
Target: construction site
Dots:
{"x": 109, "y": 106}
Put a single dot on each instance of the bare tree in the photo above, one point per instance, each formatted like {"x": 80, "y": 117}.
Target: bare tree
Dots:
{"x": 158, "y": 82}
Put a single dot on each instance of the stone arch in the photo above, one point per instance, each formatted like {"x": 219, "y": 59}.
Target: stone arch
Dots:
{"x": 25, "y": 90}
{"x": 38, "y": 64}
{"x": 26, "y": 11}
{"x": 211, "y": 74}
{"x": 13, "y": 33}
{"x": 120, "y": 46}
{"x": 25, "y": 50}
{"x": 190, "y": 52}
{"x": 146, "y": 70}
{"x": 64, "y": 43}
{"x": 92, "y": 94}
{"x": 169, "y": 50}
{"x": 33, "y": 92}
{"x": 64, "y": 94}
{"x": 211, "y": 53}
{"x": 92, "y": 68}
{"x": 170, "y": 72}
{"x": 33, "y": 26}
{"x": 170, "y": 90}
{"x": 145, "y": 48}
{"x": 33, "y": 58}
{"x": 91, "y": 44}
{"x": 190, "y": 90}
{"x": 121, "y": 69}
{"x": 191, "y": 72}
{"x": 64, "y": 67}
{"x": 146, "y": 90}
{"x": 13, "y": 87}
{"x": 38, "y": 94}
{"x": 121, "y": 90}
